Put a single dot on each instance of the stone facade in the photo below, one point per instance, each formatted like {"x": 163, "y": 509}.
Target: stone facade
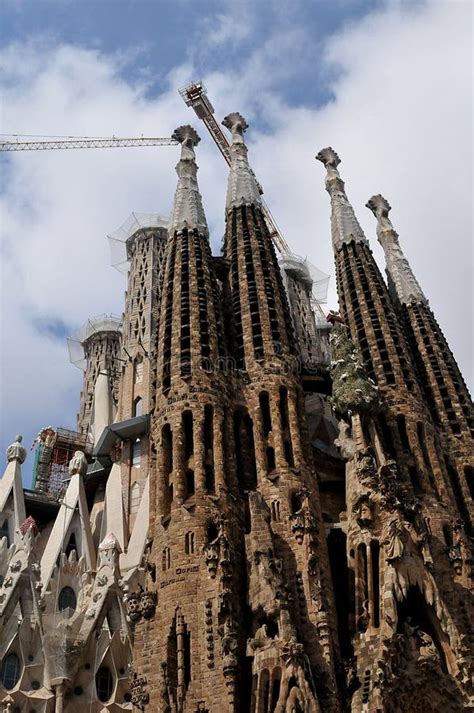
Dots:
{"x": 240, "y": 540}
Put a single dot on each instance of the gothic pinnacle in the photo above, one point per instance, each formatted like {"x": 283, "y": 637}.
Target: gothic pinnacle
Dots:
{"x": 402, "y": 280}
{"x": 242, "y": 187}
{"x": 345, "y": 227}
{"x": 187, "y": 208}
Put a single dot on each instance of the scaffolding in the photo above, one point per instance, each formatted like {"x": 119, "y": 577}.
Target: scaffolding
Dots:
{"x": 302, "y": 270}
{"x": 120, "y": 241}
{"x": 54, "y": 449}
{"x": 94, "y": 325}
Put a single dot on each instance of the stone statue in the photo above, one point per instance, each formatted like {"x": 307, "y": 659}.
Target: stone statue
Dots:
{"x": 78, "y": 464}
{"x": 16, "y": 451}
{"x": 394, "y": 545}
{"x": 163, "y": 690}
{"x": 363, "y": 511}
{"x": 344, "y": 442}
{"x": 428, "y": 650}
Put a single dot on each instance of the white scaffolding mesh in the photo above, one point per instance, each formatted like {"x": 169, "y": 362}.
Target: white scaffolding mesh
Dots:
{"x": 94, "y": 325}
{"x": 119, "y": 241}
{"x": 302, "y": 269}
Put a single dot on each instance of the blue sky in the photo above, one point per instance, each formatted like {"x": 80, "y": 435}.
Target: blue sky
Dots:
{"x": 374, "y": 79}
{"x": 159, "y": 34}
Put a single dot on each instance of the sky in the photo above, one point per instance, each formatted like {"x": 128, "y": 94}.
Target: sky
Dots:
{"x": 387, "y": 83}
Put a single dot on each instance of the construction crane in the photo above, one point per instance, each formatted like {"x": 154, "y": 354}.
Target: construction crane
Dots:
{"x": 195, "y": 96}
{"x": 82, "y": 142}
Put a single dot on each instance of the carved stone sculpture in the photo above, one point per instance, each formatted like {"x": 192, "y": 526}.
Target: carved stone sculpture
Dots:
{"x": 78, "y": 464}
{"x": 16, "y": 451}
{"x": 148, "y": 604}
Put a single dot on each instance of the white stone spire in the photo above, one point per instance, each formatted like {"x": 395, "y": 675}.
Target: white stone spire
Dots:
{"x": 187, "y": 208}
{"x": 12, "y": 501}
{"x": 345, "y": 227}
{"x": 242, "y": 186}
{"x": 401, "y": 277}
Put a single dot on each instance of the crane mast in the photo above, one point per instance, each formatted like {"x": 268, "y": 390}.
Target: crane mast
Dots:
{"x": 195, "y": 96}
{"x": 83, "y": 143}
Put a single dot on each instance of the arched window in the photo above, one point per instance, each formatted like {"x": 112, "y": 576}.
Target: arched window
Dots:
{"x": 136, "y": 453}
{"x": 138, "y": 371}
{"x": 10, "y": 671}
{"x": 138, "y": 406}
{"x": 275, "y": 507}
{"x": 5, "y": 532}
{"x": 104, "y": 684}
{"x": 67, "y": 601}
{"x": 71, "y": 545}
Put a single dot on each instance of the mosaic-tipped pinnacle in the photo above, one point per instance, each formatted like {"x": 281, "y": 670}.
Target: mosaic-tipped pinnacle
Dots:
{"x": 186, "y": 135}
{"x": 235, "y": 122}
{"x": 379, "y": 206}
{"x": 329, "y": 157}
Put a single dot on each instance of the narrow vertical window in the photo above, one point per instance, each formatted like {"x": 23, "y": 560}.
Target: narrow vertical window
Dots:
{"x": 187, "y": 422}
{"x": 265, "y": 411}
{"x": 134, "y": 498}
{"x": 190, "y": 487}
{"x": 137, "y": 370}
{"x": 189, "y": 543}
{"x": 469, "y": 475}
{"x": 375, "y": 552}
{"x": 209, "y": 448}
{"x": 275, "y": 508}
{"x": 5, "y": 532}
{"x": 136, "y": 453}
{"x": 402, "y": 430}
{"x": 138, "y": 406}
{"x": 166, "y": 559}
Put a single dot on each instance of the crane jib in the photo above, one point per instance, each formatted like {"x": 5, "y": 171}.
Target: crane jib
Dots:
{"x": 85, "y": 144}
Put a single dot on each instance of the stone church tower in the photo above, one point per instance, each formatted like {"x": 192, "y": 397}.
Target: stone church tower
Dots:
{"x": 236, "y": 534}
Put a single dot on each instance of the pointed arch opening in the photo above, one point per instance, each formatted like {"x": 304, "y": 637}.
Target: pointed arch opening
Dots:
{"x": 415, "y": 618}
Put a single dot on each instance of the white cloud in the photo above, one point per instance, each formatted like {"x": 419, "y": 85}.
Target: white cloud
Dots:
{"x": 399, "y": 119}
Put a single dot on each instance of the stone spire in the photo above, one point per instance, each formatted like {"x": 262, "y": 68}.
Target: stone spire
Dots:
{"x": 345, "y": 227}
{"x": 402, "y": 281}
{"x": 187, "y": 208}
{"x": 242, "y": 186}
{"x": 11, "y": 488}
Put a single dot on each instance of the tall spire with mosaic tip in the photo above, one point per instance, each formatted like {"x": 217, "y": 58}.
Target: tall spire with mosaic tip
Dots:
{"x": 263, "y": 326}
{"x": 444, "y": 387}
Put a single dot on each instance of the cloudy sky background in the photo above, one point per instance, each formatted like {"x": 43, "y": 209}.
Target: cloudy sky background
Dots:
{"x": 387, "y": 84}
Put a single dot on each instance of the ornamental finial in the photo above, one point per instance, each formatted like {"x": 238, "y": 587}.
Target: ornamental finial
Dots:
{"x": 186, "y": 134}
{"x": 188, "y": 137}
{"x": 187, "y": 207}
{"x": 345, "y": 227}
{"x": 402, "y": 282}
{"x": 78, "y": 464}
{"x": 242, "y": 186}
{"x": 236, "y": 123}
{"x": 380, "y": 207}
{"x": 16, "y": 451}
{"x": 329, "y": 157}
